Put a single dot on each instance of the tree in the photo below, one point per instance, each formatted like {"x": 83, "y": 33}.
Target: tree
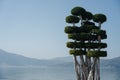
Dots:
{"x": 86, "y": 45}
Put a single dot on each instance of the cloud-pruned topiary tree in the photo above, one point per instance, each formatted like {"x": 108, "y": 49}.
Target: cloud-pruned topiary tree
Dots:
{"x": 86, "y": 44}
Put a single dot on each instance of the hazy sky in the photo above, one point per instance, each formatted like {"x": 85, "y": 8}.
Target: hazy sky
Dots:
{"x": 35, "y": 28}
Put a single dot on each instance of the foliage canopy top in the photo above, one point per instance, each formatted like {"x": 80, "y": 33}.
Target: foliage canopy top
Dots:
{"x": 78, "y": 11}
{"x": 99, "y": 18}
{"x": 88, "y": 15}
{"x": 72, "y": 19}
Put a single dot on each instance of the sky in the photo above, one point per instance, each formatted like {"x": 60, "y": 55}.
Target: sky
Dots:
{"x": 35, "y": 28}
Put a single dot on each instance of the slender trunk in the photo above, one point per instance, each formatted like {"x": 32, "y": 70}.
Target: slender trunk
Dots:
{"x": 90, "y": 76}
{"x": 99, "y": 24}
{"x": 83, "y": 66}
{"x": 73, "y": 24}
{"x": 98, "y": 60}
{"x": 80, "y": 17}
{"x": 98, "y": 68}
{"x": 88, "y": 65}
{"x": 77, "y": 68}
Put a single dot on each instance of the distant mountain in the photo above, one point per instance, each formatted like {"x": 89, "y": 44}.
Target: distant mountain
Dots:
{"x": 111, "y": 63}
{"x": 11, "y": 59}
{"x": 105, "y": 63}
{"x": 63, "y": 59}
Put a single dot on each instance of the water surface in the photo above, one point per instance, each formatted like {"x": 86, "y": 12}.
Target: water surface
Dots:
{"x": 50, "y": 73}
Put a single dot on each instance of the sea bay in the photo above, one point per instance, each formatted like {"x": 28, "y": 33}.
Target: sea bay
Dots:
{"x": 49, "y": 73}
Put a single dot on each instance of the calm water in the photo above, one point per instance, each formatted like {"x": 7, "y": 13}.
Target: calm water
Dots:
{"x": 50, "y": 73}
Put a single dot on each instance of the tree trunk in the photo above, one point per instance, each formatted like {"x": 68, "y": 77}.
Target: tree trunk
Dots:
{"x": 77, "y": 68}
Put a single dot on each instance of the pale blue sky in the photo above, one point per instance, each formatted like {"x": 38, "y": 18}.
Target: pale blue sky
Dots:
{"x": 35, "y": 28}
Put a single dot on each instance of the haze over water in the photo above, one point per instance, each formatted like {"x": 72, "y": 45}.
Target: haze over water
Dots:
{"x": 50, "y": 73}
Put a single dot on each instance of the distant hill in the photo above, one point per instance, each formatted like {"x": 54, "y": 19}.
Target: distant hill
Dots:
{"x": 11, "y": 59}
{"x": 111, "y": 63}
{"x": 105, "y": 63}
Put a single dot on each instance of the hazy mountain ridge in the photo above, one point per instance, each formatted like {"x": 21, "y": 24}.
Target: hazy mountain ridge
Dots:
{"x": 10, "y": 59}
{"x": 111, "y": 63}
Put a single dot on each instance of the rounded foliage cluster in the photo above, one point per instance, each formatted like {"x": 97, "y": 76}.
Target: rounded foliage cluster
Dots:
{"x": 86, "y": 38}
{"x": 99, "y": 18}
{"x": 78, "y": 11}
{"x": 85, "y": 45}
{"x": 77, "y": 52}
{"x": 72, "y": 19}
{"x": 97, "y": 53}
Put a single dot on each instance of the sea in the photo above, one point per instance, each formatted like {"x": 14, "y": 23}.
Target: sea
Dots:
{"x": 50, "y": 73}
